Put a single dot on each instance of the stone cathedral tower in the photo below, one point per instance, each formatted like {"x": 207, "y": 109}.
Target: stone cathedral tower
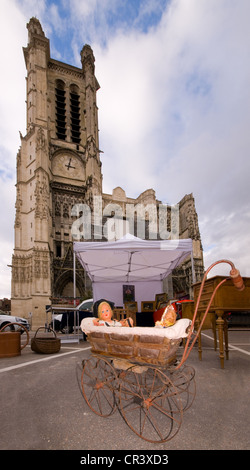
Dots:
{"x": 58, "y": 165}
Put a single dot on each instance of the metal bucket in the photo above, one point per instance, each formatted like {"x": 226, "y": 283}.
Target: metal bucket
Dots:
{"x": 10, "y": 341}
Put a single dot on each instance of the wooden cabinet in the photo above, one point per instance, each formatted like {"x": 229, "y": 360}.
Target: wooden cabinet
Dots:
{"x": 225, "y": 300}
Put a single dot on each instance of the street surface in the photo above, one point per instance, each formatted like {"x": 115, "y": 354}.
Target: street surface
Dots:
{"x": 42, "y": 407}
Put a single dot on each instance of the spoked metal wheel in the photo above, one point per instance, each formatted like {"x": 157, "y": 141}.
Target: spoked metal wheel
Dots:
{"x": 184, "y": 380}
{"x": 98, "y": 383}
{"x": 150, "y": 405}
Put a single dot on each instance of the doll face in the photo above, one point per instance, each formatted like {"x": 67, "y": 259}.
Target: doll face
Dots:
{"x": 105, "y": 312}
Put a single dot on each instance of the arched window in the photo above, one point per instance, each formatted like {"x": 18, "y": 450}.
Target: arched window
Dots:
{"x": 75, "y": 114}
{"x": 60, "y": 110}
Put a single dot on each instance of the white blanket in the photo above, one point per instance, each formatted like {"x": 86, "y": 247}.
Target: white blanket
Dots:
{"x": 178, "y": 330}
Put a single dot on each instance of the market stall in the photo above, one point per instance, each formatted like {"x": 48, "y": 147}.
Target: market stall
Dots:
{"x": 130, "y": 262}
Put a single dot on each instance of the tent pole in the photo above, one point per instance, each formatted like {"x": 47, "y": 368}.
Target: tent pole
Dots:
{"x": 193, "y": 271}
{"x": 74, "y": 278}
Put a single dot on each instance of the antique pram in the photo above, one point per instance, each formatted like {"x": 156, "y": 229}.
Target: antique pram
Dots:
{"x": 136, "y": 369}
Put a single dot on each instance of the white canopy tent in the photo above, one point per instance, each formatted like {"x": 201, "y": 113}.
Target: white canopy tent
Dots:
{"x": 130, "y": 261}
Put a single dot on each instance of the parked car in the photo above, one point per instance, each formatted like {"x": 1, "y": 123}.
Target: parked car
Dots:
{"x": 238, "y": 319}
{"x": 86, "y": 305}
{"x": 64, "y": 321}
{"x": 5, "y": 319}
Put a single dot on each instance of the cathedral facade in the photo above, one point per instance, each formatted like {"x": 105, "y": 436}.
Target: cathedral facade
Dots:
{"x": 59, "y": 177}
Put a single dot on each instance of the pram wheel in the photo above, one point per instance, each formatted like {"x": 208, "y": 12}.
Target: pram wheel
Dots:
{"x": 150, "y": 404}
{"x": 184, "y": 381}
{"x": 98, "y": 385}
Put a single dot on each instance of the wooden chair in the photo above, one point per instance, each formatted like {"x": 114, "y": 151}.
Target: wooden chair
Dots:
{"x": 209, "y": 323}
{"x": 119, "y": 313}
{"x": 131, "y": 309}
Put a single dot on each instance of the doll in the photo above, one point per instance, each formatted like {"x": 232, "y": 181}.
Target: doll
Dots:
{"x": 168, "y": 317}
{"x": 105, "y": 314}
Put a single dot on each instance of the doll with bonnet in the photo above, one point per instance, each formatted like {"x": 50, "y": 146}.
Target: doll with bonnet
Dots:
{"x": 105, "y": 314}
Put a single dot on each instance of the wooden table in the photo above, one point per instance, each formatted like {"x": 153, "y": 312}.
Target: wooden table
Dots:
{"x": 227, "y": 299}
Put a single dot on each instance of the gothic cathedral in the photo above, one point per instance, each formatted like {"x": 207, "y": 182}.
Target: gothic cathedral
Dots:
{"x": 58, "y": 167}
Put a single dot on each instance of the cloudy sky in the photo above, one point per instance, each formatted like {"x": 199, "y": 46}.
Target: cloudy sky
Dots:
{"x": 174, "y": 105}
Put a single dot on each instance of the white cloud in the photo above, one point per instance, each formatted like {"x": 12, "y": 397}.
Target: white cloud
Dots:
{"x": 178, "y": 102}
{"x": 174, "y": 103}
{"x": 12, "y": 77}
{"x": 7, "y": 234}
{"x": 12, "y": 110}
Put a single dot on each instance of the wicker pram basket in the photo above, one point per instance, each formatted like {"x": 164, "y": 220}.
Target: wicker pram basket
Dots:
{"x": 142, "y": 349}
{"x": 45, "y": 344}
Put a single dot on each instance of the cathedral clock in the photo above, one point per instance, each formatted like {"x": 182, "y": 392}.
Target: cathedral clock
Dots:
{"x": 68, "y": 166}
